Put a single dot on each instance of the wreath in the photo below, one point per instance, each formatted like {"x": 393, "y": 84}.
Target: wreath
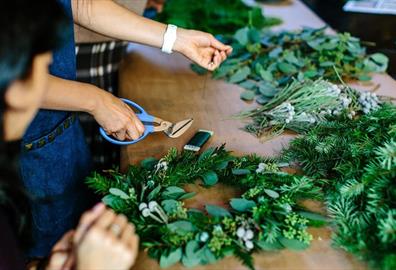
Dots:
{"x": 267, "y": 216}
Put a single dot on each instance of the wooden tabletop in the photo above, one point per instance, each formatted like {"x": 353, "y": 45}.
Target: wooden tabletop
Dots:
{"x": 166, "y": 87}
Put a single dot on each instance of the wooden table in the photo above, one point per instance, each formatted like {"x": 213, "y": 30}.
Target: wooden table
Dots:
{"x": 166, "y": 87}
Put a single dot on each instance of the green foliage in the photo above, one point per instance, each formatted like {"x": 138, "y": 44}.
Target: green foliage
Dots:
{"x": 358, "y": 158}
{"x": 214, "y": 16}
{"x": 264, "y": 62}
{"x": 152, "y": 195}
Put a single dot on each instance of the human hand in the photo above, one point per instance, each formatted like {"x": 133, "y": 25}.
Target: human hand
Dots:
{"x": 61, "y": 254}
{"x": 202, "y": 48}
{"x": 105, "y": 240}
{"x": 117, "y": 118}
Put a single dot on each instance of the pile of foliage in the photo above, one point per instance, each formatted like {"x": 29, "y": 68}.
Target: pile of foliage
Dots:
{"x": 266, "y": 217}
{"x": 214, "y": 16}
{"x": 359, "y": 160}
{"x": 263, "y": 63}
{"x": 302, "y": 105}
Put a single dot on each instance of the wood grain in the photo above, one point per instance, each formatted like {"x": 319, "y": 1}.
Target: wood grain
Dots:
{"x": 166, "y": 87}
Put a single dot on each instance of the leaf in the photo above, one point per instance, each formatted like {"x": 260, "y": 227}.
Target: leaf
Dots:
{"x": 169, "y": 206}
{"x": 190, "y": 262}
{"x": 191, "y": 248}
{"x": 113, "y": 201}
{"x": 208, "y": 256}
{"x": 364, "y": 77}
{"x": 240, "y": 171}
{"x": 287, "y": 68}
{"x": 172, "y": 192}
{"x": 266, "y": 75}
{"x": 149, "y": 163}
{"x": 267, "y": 90}
{"x": 119, "y": 193}
{"x": 268, "y": 246}
{"x": 181, "y": 227}
{"x": 248, "y": 84}
{"x": 154, "y": 193}
{"x": 327, "y": 64}
{"x": 247, "y": 95}
{"x": 275, "y": 52}
{"x": 198, "y": 69}
{"x": 188, "y": 195}
{"x": 271, "y": 193}
{"x": 262, "y": 100}
{"x": 293, "y": 244}
{"x": 206, "y": 154}
{"x": 242, "y": 36}
{"x": 310, "y": 74}
{"x": 242, "y": 205}
{"x": 240, "y": 75}
{"x": 172, "y": 258}
{"x": 210, "y": 178}
{"x": 217, "y": 211}
{"x": 380, "y": 58}
{"x": 313, "y": 216}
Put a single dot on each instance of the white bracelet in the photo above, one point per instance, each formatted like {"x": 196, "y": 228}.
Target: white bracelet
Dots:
{"x": 169, "y": 38}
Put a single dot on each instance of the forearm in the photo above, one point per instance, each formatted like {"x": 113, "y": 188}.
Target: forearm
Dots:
{"x": 68, "y": 95}
{"x": 108, "y": 18}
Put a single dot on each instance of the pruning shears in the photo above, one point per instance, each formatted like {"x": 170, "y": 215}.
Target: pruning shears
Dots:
{"x": 152, "y": 124}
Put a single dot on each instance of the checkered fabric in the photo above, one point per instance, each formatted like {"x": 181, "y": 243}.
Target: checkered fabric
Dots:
{"x": 98, "y": 64}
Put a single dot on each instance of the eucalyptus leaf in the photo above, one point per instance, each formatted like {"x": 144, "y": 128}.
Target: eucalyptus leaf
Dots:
{"x": 293, "y": 244}
{"x": 313, "y": 216}
{"x": 271, "y": 193}
{"x": 242, "y": 36}
{"x": 240, "y": 171}
{"x": 269, "y": 246}
{"x": 242, "y": 205}
{"x": 154, "y": 193}
{"x": 248, "y": 95}
{"x": 172, "y": 192}
{"x": 240, "y": 75}
{"x": 181, "y": 227}
{"x": 169, "y": 206}
{"x": 217, "y": 211}
{"x": 206, "y": 154}
{"x": 287, "y": 68}
{"x": 188, "y": 195}
{"x": 192, "y": 248}
{"x": 119, "y": 193}
{"x": 210, "y": 178}
{"x": 167, "y": 260}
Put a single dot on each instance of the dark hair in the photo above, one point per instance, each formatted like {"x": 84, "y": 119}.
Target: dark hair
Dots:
{"x": 28, "y": 28}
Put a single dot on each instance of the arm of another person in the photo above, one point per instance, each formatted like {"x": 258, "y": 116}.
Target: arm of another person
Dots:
{"x": 110, "y": 19}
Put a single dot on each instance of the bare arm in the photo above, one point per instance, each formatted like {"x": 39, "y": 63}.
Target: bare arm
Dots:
{"x": 109, "y": 111}
{"x": 108, "y": 18}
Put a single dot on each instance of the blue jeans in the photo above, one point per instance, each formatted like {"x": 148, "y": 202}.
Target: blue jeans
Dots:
{"x": 53, "y": 169}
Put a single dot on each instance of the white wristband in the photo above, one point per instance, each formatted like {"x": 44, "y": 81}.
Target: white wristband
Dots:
{"x": 169, "y": 38}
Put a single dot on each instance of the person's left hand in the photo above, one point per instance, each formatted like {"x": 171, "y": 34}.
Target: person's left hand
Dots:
{"x": 202, "y": 48}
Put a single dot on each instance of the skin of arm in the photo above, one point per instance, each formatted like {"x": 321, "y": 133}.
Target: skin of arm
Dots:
{"x": 108, "y": 18}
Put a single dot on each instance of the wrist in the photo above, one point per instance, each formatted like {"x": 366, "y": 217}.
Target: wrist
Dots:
{"x": 97, "y": 100}
{"x": 180, "y": 42}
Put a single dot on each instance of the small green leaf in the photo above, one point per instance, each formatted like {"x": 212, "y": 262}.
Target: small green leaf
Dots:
{"x": 262, "y": 100}
{"x": 154, "y": 193}
{"x": 242, "y": 36}
{"x": 149, "y": 163}
{"x": 206, "y": 154}
{"x": 293, "y": 244}
{"x": 172, "y": 192}
{"x": 364, "y": 77}
{"x": 327, "y": 64}
{"x": 198, "y": 69}
{"x": 169, "y": 206}
{"x": 190, "y": 262}
{"x": 172, "y": 258}
{"x": 181, "y": 227}
{"x": 271, "y": 193}
{"x": 191, "y": 248}
{"x": 266, "y": 75}
{"x": 242, "y": 205}
{"x": 287, "y": 68}
{"x": 240, "y": 171}
{"x": 380, "y": 58}
{"x": 247, "y": 95}
{"x": 210, "y": 178}
{"x": 313, "y": 216}
{"x": 248, "y": 84}
{"x": 208, "y": 256}
{"x": 268, "y": 246}
{"x": 217, "y": 211}
{"x": 240, "y": 75}
{"x": 188, "y": 195}
{"x": 119, "y": 193}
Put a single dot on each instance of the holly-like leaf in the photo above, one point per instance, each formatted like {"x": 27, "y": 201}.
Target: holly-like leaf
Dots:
{"x": 217, "y": 211}
{"x": 242, "y": 205}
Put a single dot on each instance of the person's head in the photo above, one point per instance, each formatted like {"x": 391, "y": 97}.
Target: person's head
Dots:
{"x": 30, "y": 30}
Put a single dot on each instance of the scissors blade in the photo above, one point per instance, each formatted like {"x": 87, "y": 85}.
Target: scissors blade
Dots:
{"x": 179, "y": 128}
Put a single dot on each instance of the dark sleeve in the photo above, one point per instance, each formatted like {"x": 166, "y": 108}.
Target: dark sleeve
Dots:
{"x": 10, "y": 256}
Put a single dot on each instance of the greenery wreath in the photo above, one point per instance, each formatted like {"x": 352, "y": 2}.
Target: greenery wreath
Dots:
{"x": 267, "y": 216}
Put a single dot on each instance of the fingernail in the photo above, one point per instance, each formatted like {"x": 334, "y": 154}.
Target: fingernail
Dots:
{"x": 99, "y": 207}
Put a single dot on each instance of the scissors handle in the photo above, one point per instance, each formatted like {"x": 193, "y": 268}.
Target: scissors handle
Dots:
{"x": 143, "y": 116}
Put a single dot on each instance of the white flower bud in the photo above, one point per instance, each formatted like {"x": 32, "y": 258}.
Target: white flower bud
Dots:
{"x": 249, "y": 235}
{"x": 146, "y": 212}
{"x": 204, "y": 237}
{"x": 241, "y": 232}
{"x": 152, "y": 205}
{"x": 142, "y": 206}
{"x": 249, "y": 245}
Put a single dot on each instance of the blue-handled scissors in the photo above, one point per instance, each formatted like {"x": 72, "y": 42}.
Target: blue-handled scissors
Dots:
{"x": 170, "y": 129}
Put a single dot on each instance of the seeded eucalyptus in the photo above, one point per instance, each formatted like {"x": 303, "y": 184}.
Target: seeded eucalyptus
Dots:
{"x": 263, "y": 63}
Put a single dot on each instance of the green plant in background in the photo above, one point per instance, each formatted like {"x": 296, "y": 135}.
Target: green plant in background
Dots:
{"x": 266, "y": 217}
{"x": 263, "y": 63}
{"x": 302, "y": 105}
{"x": 214, "y": 16}
{"x": 359, "y": 160}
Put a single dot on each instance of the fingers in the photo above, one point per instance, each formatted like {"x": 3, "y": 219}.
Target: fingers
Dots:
{"x": 106, "y": 219}
{"x": 65, "y": 243}
{"x": 87, "y": 220}
{"x": 218, "y": 45}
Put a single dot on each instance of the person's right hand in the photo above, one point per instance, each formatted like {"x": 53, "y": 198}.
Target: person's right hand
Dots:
{"x": 117, "y": 118}
{"x": 105, "y": 240}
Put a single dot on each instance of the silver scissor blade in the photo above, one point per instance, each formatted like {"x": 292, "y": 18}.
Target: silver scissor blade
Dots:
{"x": 179, "y": 128}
